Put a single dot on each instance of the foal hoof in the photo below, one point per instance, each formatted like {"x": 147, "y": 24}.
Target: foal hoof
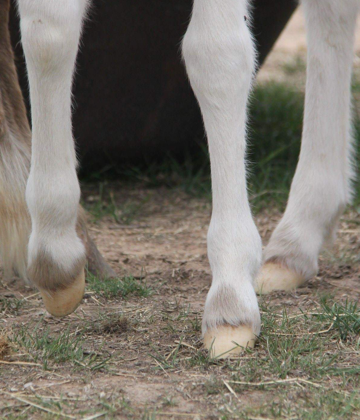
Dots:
{"x": 226, "y": 340}
{"x": 63, "y": 302}
{"x": 274, "y": 276}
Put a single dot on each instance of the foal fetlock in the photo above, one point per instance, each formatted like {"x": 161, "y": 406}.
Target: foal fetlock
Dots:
{"x": 61, "y": 286}
{"x": 277, "y": 276}
{"x": 231, "y": 320}
{"x": 291, "y": 257}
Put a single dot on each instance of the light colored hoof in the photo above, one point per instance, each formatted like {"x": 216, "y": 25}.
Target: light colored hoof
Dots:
{"x": 64, "y": 301}
{"x": 274, "y": 276}
{"x": 226, "y": 340}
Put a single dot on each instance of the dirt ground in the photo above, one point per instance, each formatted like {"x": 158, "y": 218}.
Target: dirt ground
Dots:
{"x": 140, "y": 356}
{"x": 165, "y": 246}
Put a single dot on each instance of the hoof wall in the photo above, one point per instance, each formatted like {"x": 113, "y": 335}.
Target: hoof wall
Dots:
{"x": 274, "y": 276}
{"x": 226, "y": 341}
{"x": 64, "y": 301}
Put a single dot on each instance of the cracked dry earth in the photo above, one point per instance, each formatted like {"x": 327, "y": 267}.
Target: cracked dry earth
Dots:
{"x": 140, "y": 356}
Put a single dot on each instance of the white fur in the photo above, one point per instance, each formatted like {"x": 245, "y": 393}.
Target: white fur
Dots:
{"x": 322, "y": 184}
{"x": 219, "y": 56}
{"x": 50, "y": 35}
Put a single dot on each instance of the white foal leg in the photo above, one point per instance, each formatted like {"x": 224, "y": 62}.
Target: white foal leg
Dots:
{"x": 219, "y": 55}
{"x": 50, "y": 35}
{"x": 321, "y": 186}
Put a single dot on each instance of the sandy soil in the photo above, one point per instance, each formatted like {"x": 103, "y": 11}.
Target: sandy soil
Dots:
{"x": 165, "y": 245}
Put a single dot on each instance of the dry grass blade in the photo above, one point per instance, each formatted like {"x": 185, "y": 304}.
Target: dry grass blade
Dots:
{"x": 277, "y": 382}
{"x": 95, "y": 416}
{"x": 183, "y": 343}
{"x": 173, "y": 413}
{"x": 3, "y": 362}
{"x": 229, "y": 388}
{"x": 40, "y": 407}
{"x": 306, "y": 334}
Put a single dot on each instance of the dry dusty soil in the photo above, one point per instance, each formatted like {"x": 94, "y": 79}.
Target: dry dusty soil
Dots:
{"x": 140, "y": 356}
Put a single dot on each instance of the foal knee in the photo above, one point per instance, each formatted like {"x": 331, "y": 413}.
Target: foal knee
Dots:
{"x": 50, "y": 33}
{"x": 219, "y": 56}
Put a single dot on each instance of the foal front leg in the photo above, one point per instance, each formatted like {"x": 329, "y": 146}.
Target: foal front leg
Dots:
{"x": 321, "y": 186}
{"x": 219, "y": 57}
{"x": 50, "y": 35}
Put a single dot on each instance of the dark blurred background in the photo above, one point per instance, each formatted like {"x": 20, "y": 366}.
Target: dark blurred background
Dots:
{"x": 133, "y": 103}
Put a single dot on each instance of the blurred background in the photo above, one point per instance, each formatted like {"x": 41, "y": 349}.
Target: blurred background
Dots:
{"x": 136, "y": 118}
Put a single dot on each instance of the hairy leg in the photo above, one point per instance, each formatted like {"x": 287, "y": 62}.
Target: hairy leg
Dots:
{"x": 15, "y": 150}
{"x": 50, "y": 35}
{"x": 15, "y": 155}
{"x": 321, "y": 187}
{"x": 219, "y": 56}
